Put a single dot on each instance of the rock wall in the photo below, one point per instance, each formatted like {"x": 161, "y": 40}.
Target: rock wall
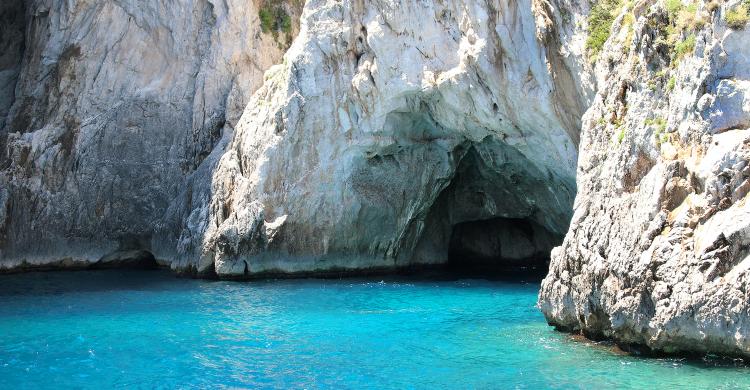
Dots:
{"x": 389, "y": 123}
{"x": 657, "y": 251}
{"x": 107, "y": 111}
{"x": 376, "y": 137}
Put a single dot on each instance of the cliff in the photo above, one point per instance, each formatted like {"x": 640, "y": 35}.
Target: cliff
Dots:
{"x": 108, "y": 110}
{"x": 386, "y": 127}
{"x": 383, "y": 139}
{"x": 657, "y": 252}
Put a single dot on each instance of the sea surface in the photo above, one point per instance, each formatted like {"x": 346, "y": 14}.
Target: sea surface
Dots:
{"x": 140, "y": 329}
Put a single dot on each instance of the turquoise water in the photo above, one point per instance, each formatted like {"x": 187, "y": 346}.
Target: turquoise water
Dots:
{"x": 132, "y": 329}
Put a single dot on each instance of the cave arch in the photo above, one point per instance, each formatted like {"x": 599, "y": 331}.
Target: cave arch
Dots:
{"x": 499, "y": 211}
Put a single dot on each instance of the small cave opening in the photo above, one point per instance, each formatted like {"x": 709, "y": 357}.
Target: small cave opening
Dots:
{"x": 139, "y": 259}
{"x": 133, "y": 252}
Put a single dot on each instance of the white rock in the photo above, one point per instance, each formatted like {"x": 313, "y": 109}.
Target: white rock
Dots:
{"x": 658, "y": 256}
{"x": 385, "y": 127}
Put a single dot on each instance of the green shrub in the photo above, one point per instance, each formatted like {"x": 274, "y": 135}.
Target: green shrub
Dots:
{"x": 671, "y": 83}
{"x": 266, "y": 19}
{"x": 274, "y": 18}
{"x": 685, "y": 47}
{"x": 600, "y": 21}
{"x": 621, "y": 135}
{"x": 660, "y": 136}
{"x": 689, "y": 19}
{"x": 679, "y": 34}
{"x": 673, "y": 8}
{"x": 737, "y": 18}
{"x": 660, "y": 124}
{"x": 286, "y": 23}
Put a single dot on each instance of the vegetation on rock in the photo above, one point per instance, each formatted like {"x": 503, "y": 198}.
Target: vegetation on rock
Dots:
{"x": 660, "y": 134}
{"x": 738, "y": 17}
{"x": 684, "y": 47}
{"x": 679, "y": 34}
{"x": 274, "y": 18}
{"x": 671, "y": 83}
{"x": 600, "y": 20}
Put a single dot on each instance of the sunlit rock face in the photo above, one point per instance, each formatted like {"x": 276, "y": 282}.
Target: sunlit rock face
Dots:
{"x": 388, "y": 125}
{"x": 657, "y": 251}
{"x": 107, "y": 110}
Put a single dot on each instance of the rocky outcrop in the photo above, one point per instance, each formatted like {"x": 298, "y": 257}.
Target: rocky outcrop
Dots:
{"x": 657, "y": 251}
{"x": 109, "y": 109}
{"x": 387, "y": 125}
{"x": 378, "y": 142}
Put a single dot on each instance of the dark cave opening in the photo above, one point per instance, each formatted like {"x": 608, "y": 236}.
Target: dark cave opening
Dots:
{"x": 499, "y": 245}
{"x": 499, "y": 216}
{"x": 129, "y": 259}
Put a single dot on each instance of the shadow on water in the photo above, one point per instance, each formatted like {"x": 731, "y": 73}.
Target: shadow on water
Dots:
{"x": 88, "y": 281}
{"x": 524, "y": 275}
{"x": 113, "y": 279}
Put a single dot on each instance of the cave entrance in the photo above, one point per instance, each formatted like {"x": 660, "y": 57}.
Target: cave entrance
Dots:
{"x": 128, "y": 259}
{"x": 499, "y": 245}
{"x": 499, "y": 214}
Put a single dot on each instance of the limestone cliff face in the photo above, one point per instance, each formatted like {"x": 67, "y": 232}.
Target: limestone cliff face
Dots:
{"x": 107, "y": 110}
{"x": 391, "y": 134}
{"x": 657, "y": 251}
{"x": 387, "y": 125}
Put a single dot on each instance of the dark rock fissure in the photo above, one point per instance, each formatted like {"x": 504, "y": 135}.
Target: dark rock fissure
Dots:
{"x": 12, "y": 45}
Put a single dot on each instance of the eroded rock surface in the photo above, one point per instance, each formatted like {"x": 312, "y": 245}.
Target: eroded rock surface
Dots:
{"x": 387, "y": 124}
{"x": 657, "y": 252}
{"x": 108, "y": 109}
